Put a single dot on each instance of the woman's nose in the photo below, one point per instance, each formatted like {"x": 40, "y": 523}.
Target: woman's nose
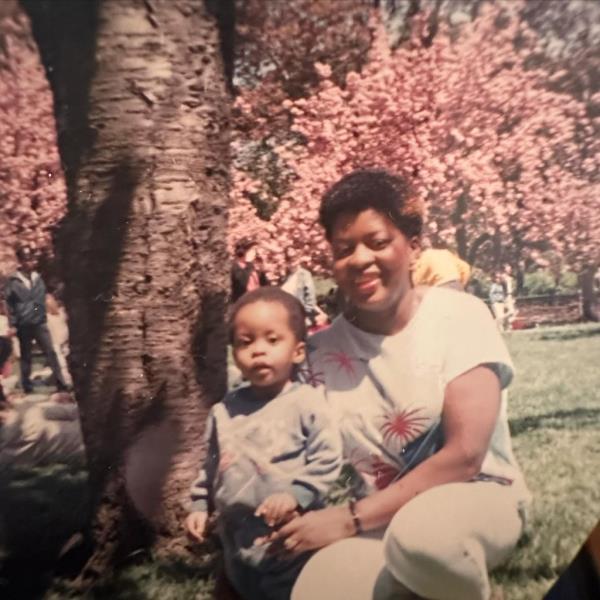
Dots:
{"x": 361, "y": 256}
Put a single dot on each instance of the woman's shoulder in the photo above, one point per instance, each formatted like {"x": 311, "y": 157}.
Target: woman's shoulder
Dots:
{"x": 330, "y": 337}
{"x": 450, "y": 302}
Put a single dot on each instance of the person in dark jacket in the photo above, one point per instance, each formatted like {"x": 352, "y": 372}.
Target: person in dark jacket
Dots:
{"x": 5, "y": 352}
{"x": 25, "y": 296}
{"x": 246, "y": 272}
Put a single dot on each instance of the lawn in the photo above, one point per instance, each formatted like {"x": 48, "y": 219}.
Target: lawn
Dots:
{"x": 554, "y": 414}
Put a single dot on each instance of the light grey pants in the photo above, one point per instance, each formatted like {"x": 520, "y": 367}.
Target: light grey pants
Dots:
{"x": 440, "y": 546}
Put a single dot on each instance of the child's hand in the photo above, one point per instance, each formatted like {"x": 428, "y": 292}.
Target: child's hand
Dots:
{"x": 277, "y": 508}
{"x": 196, "y": 524}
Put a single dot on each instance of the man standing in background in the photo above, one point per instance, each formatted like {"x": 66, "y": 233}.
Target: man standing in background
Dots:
{"x": 246, "y": 271}
{"x": 25, "y": 296}
{"x": 497, "y": 298}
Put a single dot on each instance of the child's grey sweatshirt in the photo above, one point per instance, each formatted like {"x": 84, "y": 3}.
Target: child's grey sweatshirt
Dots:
{"x": 256, "y": 448}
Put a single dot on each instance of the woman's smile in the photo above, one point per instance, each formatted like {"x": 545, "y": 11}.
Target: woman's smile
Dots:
{"x": 367, "y": 284}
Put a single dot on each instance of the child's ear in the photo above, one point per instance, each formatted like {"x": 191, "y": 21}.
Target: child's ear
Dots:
{"x": 299, "y": 353}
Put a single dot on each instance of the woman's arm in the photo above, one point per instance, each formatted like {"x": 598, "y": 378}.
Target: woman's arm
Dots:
{"x": 471, "y": 406}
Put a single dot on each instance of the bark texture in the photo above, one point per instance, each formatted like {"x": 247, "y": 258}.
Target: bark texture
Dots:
{"x": 143, "y": 116}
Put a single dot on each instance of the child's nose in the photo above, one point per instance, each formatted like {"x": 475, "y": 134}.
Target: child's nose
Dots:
{"x": 258, "y": 347}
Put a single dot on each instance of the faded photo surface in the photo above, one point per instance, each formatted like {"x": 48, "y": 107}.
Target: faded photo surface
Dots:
{"x": 299, "y": 299}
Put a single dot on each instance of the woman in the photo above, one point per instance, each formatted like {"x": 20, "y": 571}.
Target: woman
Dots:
{"x": 415, "y": 375}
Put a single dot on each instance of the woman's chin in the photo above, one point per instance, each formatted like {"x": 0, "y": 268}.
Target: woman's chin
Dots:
{"x": 372, "y": 303}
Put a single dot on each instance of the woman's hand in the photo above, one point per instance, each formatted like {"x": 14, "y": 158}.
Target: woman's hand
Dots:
{"x": 277, "y": 508}
{"x": 314, "y": 529}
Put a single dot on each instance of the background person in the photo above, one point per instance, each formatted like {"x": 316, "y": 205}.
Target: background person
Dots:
{"x": 497, "y": 298}
{"x": 246, "y": 271}
{"x": 34, "y": 433}
{"x": 300, "y": 284}
{"x": 5, "y": 352}
{"x": 25, "y": 297}
{"x": 440, "y": 267}
{"x": 414, "y": 376}
{"x": 510, "y": 305}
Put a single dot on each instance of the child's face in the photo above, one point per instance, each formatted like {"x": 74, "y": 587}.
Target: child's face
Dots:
{"x": 265, "y": 348}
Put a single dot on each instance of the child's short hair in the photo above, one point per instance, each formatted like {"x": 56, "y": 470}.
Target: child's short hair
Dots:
{"x": 390, "y": 195}
{"x": 275, "y": 295}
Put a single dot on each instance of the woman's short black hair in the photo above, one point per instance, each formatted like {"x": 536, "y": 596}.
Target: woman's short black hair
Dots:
{"x": 275, "y": 295}
{"x": 388, "y": 194}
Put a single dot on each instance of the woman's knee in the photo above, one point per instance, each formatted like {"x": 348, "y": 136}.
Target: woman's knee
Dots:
{"x": 335, "y": 573}
{"x": 433, "y": 563}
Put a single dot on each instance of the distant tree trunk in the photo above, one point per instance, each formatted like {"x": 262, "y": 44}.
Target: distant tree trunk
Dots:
{"x": 588, "y": 298}
{"x": 143, "y": 118}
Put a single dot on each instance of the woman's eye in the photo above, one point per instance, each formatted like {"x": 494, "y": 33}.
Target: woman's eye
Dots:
{"x": 341, "y": 252}
{"x": 379, "y": 244}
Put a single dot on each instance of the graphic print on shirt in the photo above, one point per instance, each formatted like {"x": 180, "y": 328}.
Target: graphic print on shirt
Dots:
{"x": 384, "y": 472}
{"x": 375, "y": 471}
{"x": 400, "y": 426}
{"x": 342, "y": 361}
{"x": 310, "y": 376}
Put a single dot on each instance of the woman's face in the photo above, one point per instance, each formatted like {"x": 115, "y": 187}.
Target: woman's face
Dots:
{"x": 371, "y": 260}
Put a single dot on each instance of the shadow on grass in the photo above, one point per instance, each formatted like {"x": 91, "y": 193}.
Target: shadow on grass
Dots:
{"x": 569, "y": 333}
{"x": 153, "y": 578}
{"x": 40, "y": 509}
{"x": 561, "y": 419}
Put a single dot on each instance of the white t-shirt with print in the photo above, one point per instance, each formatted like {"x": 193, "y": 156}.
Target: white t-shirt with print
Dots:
{"x": 388, "y": 391}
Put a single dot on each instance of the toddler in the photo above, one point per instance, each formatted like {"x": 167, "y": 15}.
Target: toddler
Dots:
{"x": 272, "y": 448}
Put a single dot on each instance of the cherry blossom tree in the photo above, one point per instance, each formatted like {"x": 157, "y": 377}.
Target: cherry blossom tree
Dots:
{"x": 32, "y": 187}
{"x": 495, "y": 155}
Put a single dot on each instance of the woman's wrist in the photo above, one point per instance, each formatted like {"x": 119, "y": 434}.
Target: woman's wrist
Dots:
{"x": 354, "y": 515}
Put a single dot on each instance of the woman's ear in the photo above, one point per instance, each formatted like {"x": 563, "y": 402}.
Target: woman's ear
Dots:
{"x": 415, "y": 250}
{"x": 299, "y": 353}
{"x": 415, "y": 244}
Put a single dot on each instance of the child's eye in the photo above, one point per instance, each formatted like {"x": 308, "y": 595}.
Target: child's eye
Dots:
{"x": 272, "y": 339}
{"x": 242, "y": 343}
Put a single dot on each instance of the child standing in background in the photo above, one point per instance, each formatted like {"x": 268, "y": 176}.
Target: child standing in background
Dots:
{"x": 272, "y": 448}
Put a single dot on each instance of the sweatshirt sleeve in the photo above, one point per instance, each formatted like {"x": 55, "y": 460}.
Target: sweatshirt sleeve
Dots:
{"x": 323, "y": 451}
{"x": 201, "y": 489}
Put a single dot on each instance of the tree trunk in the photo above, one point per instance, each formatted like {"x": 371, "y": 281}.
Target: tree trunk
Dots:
{"x": 143, "y": 115}
{"x": 588, "y": 297}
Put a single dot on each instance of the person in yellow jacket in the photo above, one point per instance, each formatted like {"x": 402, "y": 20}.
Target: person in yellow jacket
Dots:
{"x": 438, "y": 267}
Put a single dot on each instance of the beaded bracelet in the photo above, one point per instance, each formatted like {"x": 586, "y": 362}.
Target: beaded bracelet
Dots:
{"x": 355, "y": 518}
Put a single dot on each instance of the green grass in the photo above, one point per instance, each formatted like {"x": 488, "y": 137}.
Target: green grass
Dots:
{"x": 554, "y": 411}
